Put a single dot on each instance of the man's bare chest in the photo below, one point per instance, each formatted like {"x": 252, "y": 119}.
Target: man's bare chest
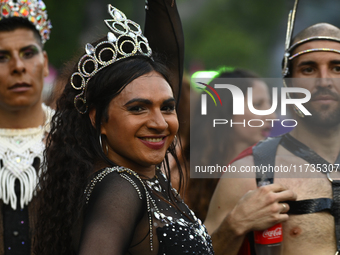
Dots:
{"x": 309, "y": 232}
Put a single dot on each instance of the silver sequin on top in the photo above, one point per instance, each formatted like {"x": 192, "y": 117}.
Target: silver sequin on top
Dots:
{"x": 177, "y": 228}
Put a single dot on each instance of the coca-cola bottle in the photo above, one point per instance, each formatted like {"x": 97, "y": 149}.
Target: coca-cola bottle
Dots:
{"x": 268, "y": 242}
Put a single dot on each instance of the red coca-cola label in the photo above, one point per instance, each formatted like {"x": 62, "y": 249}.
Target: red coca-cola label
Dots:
{"x": 270, "y": 235}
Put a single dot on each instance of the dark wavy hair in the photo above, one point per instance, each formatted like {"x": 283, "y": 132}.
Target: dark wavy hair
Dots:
{"x": 73, "y": 153}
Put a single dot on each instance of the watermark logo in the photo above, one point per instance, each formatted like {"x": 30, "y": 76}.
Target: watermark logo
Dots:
{"x": 204, "y": 96}
{"x": 225, "y": 109}
{"x": 239, "y": 100}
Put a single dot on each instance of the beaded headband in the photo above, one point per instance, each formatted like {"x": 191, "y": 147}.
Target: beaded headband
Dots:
{"x": 33, "y": 10}
{"x": 313, "y": 50}
{"x": 124, "y": 32}
{"x": 313, "y": 38}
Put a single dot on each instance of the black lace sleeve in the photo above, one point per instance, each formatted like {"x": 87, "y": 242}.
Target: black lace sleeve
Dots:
{"x": 164, "y": 31}
{"x": 115, "y": 207}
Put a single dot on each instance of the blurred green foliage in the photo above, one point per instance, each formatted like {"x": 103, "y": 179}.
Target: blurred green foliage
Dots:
{"x": 239, "y": 33}
{"x": 234, "y": 33}
{"x": 67, "y": 19}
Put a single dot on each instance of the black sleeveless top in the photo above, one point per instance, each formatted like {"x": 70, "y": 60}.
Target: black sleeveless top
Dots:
{"x": 141, "y": 210}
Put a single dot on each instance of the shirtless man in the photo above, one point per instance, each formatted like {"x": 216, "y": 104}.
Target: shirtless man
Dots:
{"x": 238, "y": 214}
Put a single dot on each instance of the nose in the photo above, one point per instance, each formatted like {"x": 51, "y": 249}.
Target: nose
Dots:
{"x": 157, "y": 121}
{"x": 18, "y": 66}
{"x": 324, "y": 79}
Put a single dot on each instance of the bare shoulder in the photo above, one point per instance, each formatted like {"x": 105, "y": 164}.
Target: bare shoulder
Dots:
{"x": 247, "y": 160}
{"x": 230, "y": 188}
{"x": 233, "y": 185}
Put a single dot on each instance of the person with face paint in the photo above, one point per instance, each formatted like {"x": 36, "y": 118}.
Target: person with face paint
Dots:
{"x": 24, "y": 119}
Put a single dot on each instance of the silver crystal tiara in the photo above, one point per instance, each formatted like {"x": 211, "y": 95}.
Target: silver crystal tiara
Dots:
{"x": 33, "y": 10}
{"x": 123, "y": 32}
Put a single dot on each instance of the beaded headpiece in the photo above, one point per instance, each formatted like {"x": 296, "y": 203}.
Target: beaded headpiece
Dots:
{"x": 33, "y": 10}
{"x": 124, "y": 40}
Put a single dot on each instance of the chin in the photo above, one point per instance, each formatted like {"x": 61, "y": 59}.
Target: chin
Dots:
{"x": 151, "y": 162}
{"x": 157, "y": 162}
{"x": 23, "y": 102}
{"x": 157, "y": 158}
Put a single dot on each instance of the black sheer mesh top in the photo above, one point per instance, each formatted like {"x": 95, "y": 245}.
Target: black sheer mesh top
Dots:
{"x": 126, "y": 214}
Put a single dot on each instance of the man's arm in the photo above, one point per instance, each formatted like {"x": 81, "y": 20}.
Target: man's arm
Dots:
{"x": 238, "y": 207}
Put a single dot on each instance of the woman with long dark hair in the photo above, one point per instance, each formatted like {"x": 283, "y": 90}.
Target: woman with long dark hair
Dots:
{"x": 115, "y": 123}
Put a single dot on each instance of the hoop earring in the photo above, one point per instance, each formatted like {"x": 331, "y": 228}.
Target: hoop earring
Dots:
{"x": 100, "y": 141}
{"x": 175, "y": 141}
{"x": 101, "y": 145}
{"x": 107, "y": 149}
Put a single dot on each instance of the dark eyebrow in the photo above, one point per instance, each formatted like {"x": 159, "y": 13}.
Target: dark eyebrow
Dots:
{"x": 335, "y": 62}
{"x": 29, "y": 47}
{"x": 307, "y": 63}
{"x": 4, "y": 51}
{"x": 139, "y": 100}
{"x": 170, "y": 100}
{"x": 147, "y": 101}
{"x": 22, "y": 49}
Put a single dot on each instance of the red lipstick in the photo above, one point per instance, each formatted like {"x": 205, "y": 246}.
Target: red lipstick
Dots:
{"x": 154, "y": 145}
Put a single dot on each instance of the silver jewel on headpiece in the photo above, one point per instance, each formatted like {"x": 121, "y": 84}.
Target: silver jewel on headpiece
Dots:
{"x": 32, "y": 10}
{"x": 124, "y": 32}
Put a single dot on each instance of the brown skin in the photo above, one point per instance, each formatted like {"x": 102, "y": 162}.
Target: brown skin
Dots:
{"x": 142, "y": 113}
{"x": 23, "y": 66}
{"x": 144, "y": 110}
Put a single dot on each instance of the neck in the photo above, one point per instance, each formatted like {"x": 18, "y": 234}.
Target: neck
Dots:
{"x": 142, "y": 171}
{"x": 237, "y": 148}
{"x": 324, "y": 141}
{"x": 148, "y": 172}
{"x": 28, "y": 117}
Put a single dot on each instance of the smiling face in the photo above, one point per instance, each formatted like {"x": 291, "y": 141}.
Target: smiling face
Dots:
{"x": 142, "y": 123}
{"x": 23, "y": 66}
{"x": 323, "y": 69}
